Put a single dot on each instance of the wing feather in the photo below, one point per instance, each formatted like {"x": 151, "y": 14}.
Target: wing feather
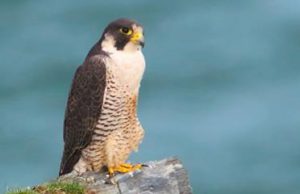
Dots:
{"x": 83, "y": 110}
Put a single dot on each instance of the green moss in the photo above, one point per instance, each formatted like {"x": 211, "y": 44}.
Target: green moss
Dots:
{"x": 51, "y": 188}
{"x": 21, "y": 191}
{"x": 69, "y": 188}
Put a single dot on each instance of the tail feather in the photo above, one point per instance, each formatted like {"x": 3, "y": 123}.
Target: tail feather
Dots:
{"x": 68, "y": 162}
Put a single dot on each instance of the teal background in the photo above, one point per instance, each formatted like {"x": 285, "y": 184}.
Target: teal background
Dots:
{"x": 221, "y": 90}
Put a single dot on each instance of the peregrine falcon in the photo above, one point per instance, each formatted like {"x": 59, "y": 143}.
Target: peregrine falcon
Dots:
{"x": 101, "y": 127}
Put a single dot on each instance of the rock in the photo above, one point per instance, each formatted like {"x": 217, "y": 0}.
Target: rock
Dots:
{"x": 164, "y": 177}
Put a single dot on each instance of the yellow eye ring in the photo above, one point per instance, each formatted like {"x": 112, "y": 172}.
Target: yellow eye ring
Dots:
{"x": 126, "y": 31}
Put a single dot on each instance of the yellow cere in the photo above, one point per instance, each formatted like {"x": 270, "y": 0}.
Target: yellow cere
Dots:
{"x": 137, "y": 36}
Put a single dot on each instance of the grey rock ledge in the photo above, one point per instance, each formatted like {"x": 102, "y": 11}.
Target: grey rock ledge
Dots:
{"x": 166, "y": 176}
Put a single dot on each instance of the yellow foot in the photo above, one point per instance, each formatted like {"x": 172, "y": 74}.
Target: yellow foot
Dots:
{"x": 124, "y": 168}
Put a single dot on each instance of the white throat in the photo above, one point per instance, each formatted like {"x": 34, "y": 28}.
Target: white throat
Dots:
{"x": 127, "y": 65}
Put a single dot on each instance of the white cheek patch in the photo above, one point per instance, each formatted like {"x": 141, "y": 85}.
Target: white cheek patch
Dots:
{"x": 108, "y": 44}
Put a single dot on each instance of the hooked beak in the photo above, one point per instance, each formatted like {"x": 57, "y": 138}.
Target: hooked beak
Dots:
{"x": 138, "y": 38}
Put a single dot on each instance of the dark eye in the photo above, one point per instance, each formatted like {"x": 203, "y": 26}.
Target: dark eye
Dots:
{"x": 125, "y": 30}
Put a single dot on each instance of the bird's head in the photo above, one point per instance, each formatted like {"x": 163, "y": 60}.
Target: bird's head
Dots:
{"x": 123, "y": 34}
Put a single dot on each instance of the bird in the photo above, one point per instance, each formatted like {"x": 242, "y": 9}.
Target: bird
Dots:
{"x": 101, "y": 127}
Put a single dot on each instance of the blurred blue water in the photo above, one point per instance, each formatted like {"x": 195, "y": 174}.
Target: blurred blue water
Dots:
{"x": 221, "y": 89}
